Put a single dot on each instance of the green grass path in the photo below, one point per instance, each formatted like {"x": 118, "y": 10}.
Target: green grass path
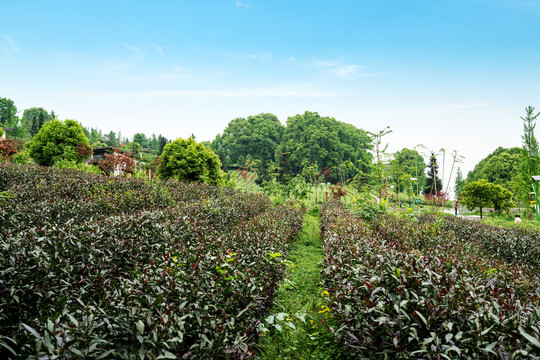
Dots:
{"x": 295, "y": 326}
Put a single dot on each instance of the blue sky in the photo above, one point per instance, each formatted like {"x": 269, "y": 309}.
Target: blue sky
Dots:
{"x": 453, "y": 74}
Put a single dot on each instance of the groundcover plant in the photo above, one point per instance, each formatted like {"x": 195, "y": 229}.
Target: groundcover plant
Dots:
{"x": 102, "y": 268}
{"x": 403, "y": 289}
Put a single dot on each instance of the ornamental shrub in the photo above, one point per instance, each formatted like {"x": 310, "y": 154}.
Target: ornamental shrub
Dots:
{"x": 187, "y": 160}
{"x": 59, "y": 140}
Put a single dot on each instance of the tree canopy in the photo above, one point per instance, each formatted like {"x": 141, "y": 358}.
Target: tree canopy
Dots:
{"x": 59, "y": 140}
{"x": 482, "y": 194}
{"x": 312, "y": 139}
{"x": 501, "y": 167}
{"x": 407, "y": 164}
{"x": 255, "y": 138}
{"x": 187, "y": 160}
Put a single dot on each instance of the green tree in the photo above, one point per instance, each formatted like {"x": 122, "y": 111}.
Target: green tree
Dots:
{"x": 323, "y": 141}
{"x": 140, "y": 139}
{"x": 501, "y": 167}
{"x": 406, "y": 164}
{"x": 33, "y": 119}
{"x": 187, "y": 160}
{"x": 530, "y": 155}
{"x": 59, "y": 140}
{"x": 433, "y": 183}
{"x": 459, "y": 184}
{"x": 481, "y": 194}
{"x": 162, "y": 140}
{"x": 254, "y": 138}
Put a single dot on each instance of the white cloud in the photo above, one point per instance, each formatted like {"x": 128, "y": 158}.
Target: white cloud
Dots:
{"x": 8, "y": 45}
{"x": 260, "y": 56}
{"x": 325, "y": 63}
{"x": 243, "y": 4}
{"x": 176, "y": 73}
{"x": 218, "y": 93}
{"x": 346, "y": 71}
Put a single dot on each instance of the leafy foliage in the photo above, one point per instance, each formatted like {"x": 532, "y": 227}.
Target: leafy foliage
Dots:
{"x": 101, "y": 267}
{"x": 433, "y": 182}
{"x": 313, "y": 139}
{"x": 8, "y": 148}
{"x": 187, "y": 160}
{"x": 58, "y": 140}
{"x": 501, "y": 167}
{"x": 401, "y": 290}
{"x": 481, "y": 194}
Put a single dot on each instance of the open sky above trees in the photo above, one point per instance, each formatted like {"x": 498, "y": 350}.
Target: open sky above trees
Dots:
{"x": 447, "y": 74}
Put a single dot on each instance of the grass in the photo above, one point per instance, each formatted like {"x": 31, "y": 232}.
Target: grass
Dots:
{"x": 296, "y": 328}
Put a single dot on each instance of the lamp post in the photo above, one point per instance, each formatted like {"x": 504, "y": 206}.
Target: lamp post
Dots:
{"x": 535, "y": 178}
{"x": 412, "y": 188}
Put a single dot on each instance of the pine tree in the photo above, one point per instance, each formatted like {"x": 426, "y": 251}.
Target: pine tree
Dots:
{"x": 433, "y": 183}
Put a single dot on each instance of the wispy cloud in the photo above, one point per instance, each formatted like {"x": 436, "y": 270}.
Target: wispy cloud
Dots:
{"x": 217, "y": 93}
{"x": 8, "y": 45}
{"x": 260, "y": 56}
{"x": 243, "y": 4}
{"x": 346, "y": 71}
{"x": 322, "y": 63}
{"x": 176, "y": 73}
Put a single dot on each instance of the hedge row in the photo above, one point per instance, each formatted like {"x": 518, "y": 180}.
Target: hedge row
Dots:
{"x": 177, "y": 271}
{"x": 406, "y": 290}
{"x": 513, "y": 245}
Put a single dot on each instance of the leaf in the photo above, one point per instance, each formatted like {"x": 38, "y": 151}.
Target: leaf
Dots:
{"x": 140, "y": 326}
{"x": 422, "y": 317}
{"x": 167, "y": 355}
{"x": 32, "y": 331}
{"x": 530, "y": 338}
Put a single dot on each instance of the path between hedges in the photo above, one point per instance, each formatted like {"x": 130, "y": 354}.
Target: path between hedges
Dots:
{"x": 295, "y": 327}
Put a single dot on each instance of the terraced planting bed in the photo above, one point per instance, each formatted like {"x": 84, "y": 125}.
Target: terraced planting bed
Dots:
{"x": 99, "y": 267}
{"x": 432, "y": 289}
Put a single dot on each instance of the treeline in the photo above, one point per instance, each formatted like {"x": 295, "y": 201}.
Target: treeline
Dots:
{"x": 313, "y": 148}
{"x": 25, "y": 127}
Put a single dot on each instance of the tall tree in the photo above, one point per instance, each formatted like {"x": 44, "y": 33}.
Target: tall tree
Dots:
{"x": 406, "y": 164}
{"x": 460, "y": 183}
{"x": 501, "y": 167}
{"x": 34, "y": 118}
{"x": 323, "y": 141}
{"x": 433, "y": 182}
{"x": 254, "y": 138}
{"x": 380, "y": 166}
{"x": 530, "y": 156}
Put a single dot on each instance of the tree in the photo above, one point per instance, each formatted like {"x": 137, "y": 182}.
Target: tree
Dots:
{"x": 59, "y": 140}
{"x": 433, "y": 183}
{"x": 8, "y": 112}
{"x": 33, "y": 119}
{"x": 254, "y": 138}
{"x": 323, "y": 141}
{"x": 460, "y": 183}
{"x": 482, "y": 193}
{"x": 406, "y": 164}
{"x": 162, "y": 140}
{"x": 187, "y": 160}
{"x": 140, "y": 139}
{"x": 530, "y": 154}
{"x": 501, "y": 167}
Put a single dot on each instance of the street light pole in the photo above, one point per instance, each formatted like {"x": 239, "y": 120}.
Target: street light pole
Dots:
{"x": 535, "y": 178}
{"x": 412, "y": 188}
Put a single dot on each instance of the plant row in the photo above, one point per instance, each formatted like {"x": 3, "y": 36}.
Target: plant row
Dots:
{"x": 515, "y": 245}
{"x": 187, "y": 276}
{"x": 406, "y": 290}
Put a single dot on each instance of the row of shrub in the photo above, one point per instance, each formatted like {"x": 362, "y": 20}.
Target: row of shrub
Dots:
{"x": 512, "y": 244}
{"x": 403, "y": 290}
{"x": 105, "y": 268}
